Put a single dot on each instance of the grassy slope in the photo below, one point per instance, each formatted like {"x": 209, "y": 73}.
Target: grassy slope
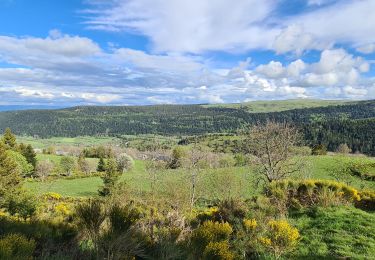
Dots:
{"x": 338, "y": 232}
{"x": 213, "y": 185}
{"x": 280, "y": 105}
{"x": 65, "y": 141}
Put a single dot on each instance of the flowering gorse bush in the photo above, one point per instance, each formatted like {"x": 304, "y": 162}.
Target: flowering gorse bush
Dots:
{"x": 281, "y": 237}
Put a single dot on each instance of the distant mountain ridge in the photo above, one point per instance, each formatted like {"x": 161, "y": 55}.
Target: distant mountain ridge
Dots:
{"x": 4, "y": 108}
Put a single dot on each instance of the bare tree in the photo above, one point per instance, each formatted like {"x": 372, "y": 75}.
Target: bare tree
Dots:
{"x": 154, "y": 167}
{"x": 43, "y": 169}
{"x": 344, "y": 149}
{"x": 194, "y": 162}
{"x": 272, "y": 144}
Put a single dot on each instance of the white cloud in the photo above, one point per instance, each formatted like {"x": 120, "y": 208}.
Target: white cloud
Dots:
{"x": 200, "y": 25}
{"x": 349, "y": 22}
{"x": 126, "y": 76}
{"x": 367, "y": 48}
{"x": 100, "y": 98}
{"x": 354, "y": 92}
{"x": 172, "y": 62}
{"x": 294, "y": 39}
{"x": 57, "y": 45}
{"x": 190, "y": 26}
{"x": 274, "y": 69}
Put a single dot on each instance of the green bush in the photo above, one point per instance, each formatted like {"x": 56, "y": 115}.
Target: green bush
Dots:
{"x": 16, "y": 246}
{"x": 21, "y": 205}
{"x": 319, "y": 149}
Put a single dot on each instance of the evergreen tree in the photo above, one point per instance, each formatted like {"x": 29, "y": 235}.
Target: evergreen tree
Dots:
{"x": 110, "y": 178}
{"x": 101, "y": 165}
{"x": 10, "y": 175}
{"x": 29, "y": 153}
{"x": 9, "y": 139}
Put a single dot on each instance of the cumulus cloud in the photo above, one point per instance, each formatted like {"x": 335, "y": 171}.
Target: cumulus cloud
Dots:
{"x": 125, "y": 76}
{"x": 294, "y": 39}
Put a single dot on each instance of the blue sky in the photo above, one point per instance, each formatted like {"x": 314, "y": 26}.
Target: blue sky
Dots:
{"x": 138, "y": 52}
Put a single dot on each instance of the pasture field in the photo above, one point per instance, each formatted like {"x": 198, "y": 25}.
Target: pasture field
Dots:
{"x": 280, "y": 105}
{"x": 213, "y": 183}
{"x": 81, "y": 141}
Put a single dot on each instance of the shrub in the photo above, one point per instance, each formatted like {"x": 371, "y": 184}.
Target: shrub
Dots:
{"x": 312, "y": 192}
{"x": 91, "y": 216}
{"x": 218, "y": 251}
{"x": 51, "y": 196}
{"x": 241, "y": 159}
{"x": 67, "y": 164}
{"x": 63, "y": 209}
{"x": 121, "y": 218}
{"x": 227, "y": 161}
{"x": 209, "y": 232}
{"x": 16, "y": 246}
{"x": 22, "y": 205}
{"x": 43, "y": 169}
{"x": 367, "y": 201}
{"x": 178, "y": 155}
{"x": 124, "y": 163}
{"x": 319, "y": 149}
{"x": 343, "y": 148}
{"x": 281, "y": 237}
{"x": 250, "y": 224}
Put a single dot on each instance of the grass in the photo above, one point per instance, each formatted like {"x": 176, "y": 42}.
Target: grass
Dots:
{"x": 281, "y": 105}
{"x": 83, "y": 141}
{"x": 213, "y": 183}
{"x": 337, "y": 232}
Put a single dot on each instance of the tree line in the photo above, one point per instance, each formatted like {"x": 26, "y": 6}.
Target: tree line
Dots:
{"x": 352, "y": 123}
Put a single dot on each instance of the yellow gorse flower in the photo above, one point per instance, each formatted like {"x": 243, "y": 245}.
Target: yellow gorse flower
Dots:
{"x": 250, "y": 224}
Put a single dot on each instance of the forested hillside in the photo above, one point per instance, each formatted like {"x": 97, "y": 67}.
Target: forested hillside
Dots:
{"x": 351, "y": 123}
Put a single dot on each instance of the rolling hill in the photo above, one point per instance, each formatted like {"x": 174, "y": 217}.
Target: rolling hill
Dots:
{"x": 351, "y": 123}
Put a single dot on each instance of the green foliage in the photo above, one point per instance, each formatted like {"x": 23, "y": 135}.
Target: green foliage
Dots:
{"x": 122, "y": 218}
{"x": 91, "y": 216}
{"x": 22, "y": 205}
{"x": 98, "y": 152}
{"x": 178, "y": 155}
{"x": 67, "y": 164}
{"x": 28, "y": 152}
{"x": 10, "y": 174}
{"x": 110, "y": 178}
{"x": 101, "y": 165}
{"x": 9, "y": 139}
{"x": 331, "y": 129}
{"x": 23, "y": 165}
{"x": 319, "y": 149}
{"x": 17, "y": 247}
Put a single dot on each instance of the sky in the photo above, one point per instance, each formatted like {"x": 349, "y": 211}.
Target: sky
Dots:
{"x": 142, "y": 52}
